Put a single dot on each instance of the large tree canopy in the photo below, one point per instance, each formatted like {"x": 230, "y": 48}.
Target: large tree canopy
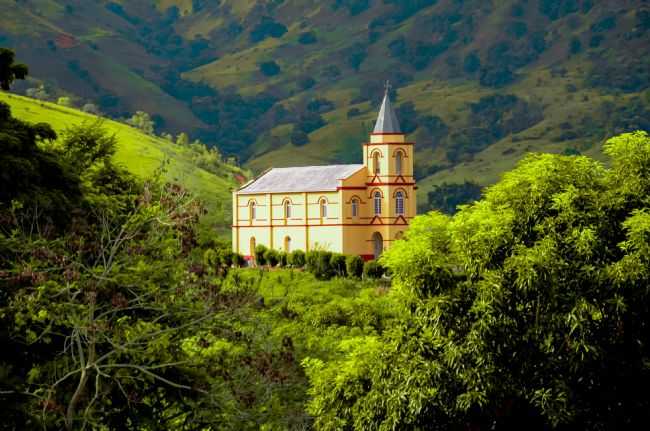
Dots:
{"x": 10, "y": 71}
{"x": 527, "y": 309}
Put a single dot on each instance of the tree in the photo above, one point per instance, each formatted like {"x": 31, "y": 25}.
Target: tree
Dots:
{"x": 142, "y": 121}
{"x": 64, "y": 101}
{"x": 9, "y": 70}
{"x": 269, "y": 68}
{"x": 527, "y": 309}
{"x": 183, "y": 140}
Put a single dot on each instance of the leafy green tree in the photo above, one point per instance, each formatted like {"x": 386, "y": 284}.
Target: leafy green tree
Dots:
{"x": 183, "y": 140}
{"x": 527, "y": 309}
{"x": 64, "y": 101}
{"x": 142, "y": 121}
{"x": 9, "y": 70}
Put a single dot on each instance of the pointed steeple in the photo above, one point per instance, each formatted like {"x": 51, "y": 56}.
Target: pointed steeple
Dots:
{"x": 387, "y": 120}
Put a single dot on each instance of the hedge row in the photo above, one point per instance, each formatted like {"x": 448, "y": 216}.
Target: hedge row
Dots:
{"x": 323, "y": 264}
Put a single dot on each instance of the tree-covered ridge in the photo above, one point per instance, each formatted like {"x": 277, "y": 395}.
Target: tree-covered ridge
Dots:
{"x": 527, "y": 309}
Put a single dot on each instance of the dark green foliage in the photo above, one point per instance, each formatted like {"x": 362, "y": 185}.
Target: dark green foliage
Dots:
{"x": 283, "y": 259}
{"x": 354, "y": 7}
{"x": 271, "y": 257}
{"x": 299, "y": 138}
{"x": 517, "y": 29}
{"x": 353, "y": 112}
{"x": 318, "y": 262}
{"x": 472, "y": 63}
{"x": 491, "y": 119}
{"x": 337, "y": 263}
{"x": 372, "y": 270}
{"x": 331, "y": 72}
{"x": 267, "y": 27}
{"x": 526, "y": 310}
{"x": 310, "y": 121}
{"x": 354, "y": 266}
{"x": 629, "y": 76}
{"x": 320, "y": 105}
{"x": 605, "y": 24}
{"x": 355, "y": 55}
{"x": 238, "y": 260}
{"x": 307, "y": 82}
{"x": 596, "y": 40}
{"x": 556, "y": 9}
{"x": 447, "y": 197}
{"x": 307, "y": 38}
{"x": 37, "y": 179}
{"x": 575, "y": 46}
{"x": 408, "y": 117}
{"x": 10, "y": 71}
{"x": 297, "y": 259}
{"x": 260, "y": 254}
{"x": 270, "y": 68}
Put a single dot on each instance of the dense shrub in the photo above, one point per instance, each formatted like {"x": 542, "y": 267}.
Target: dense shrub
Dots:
{"x": 307, "y": 38}
{"x": 271, "y": 257}
{"x": 267, "y": 27}
{"x": 372, "y": 269}
{"x": 283, "y": 259}
{"x": 318, "y": 263}
{"x": 269, "y": 68}
{"x": 238, "y": 260}
{"x": 354, "y": 266}
{"x": 297, "y": 259}
{"x": 337, "y": 264}
{"x": 311, "y": 261}
{"x": 260, "y": 251}
{"x": 299, "y": 138}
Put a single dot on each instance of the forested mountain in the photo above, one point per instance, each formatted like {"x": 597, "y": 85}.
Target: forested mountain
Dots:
{"x": 478, "y": 83}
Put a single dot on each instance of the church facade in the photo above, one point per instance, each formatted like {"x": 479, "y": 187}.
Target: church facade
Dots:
{"x": 352, "y": 209}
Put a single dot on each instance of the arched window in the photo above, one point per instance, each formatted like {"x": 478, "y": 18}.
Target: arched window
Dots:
{"x": 399, "y": 203}
{"x": 252, "y": 213}
{"x": 323, "y": 208}
{"x": 287, "y": 244}
{"x": 376, "y": 169}
{"x": 355, "y": 207}
{"x": 398, "y": 162}
{"x": 287, "y": 209}
{"x": 377, "y": 199}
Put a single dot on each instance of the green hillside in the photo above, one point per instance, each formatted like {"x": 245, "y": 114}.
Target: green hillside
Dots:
{"x": 143, "y": 154}
{"x": 478, "y": 84}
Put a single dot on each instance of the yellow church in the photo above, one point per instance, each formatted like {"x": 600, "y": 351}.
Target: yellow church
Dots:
{"x": 352, "y": 209}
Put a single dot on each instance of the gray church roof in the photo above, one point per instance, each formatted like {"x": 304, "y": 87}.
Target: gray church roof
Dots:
{"x": 300, "y": 179}
{"x": 387, "y": 120}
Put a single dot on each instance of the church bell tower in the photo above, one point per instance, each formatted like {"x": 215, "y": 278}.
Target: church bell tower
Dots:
{"x": 388, "y": 158}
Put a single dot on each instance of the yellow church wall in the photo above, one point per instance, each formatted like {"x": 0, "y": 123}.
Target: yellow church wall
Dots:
{"x": 339, "y": 231}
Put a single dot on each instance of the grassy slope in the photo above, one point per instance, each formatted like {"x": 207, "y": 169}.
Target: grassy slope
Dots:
{"x": 142, "y": 154}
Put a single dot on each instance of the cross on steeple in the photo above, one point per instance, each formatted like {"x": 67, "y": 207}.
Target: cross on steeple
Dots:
{"x": 388, "y": 86}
